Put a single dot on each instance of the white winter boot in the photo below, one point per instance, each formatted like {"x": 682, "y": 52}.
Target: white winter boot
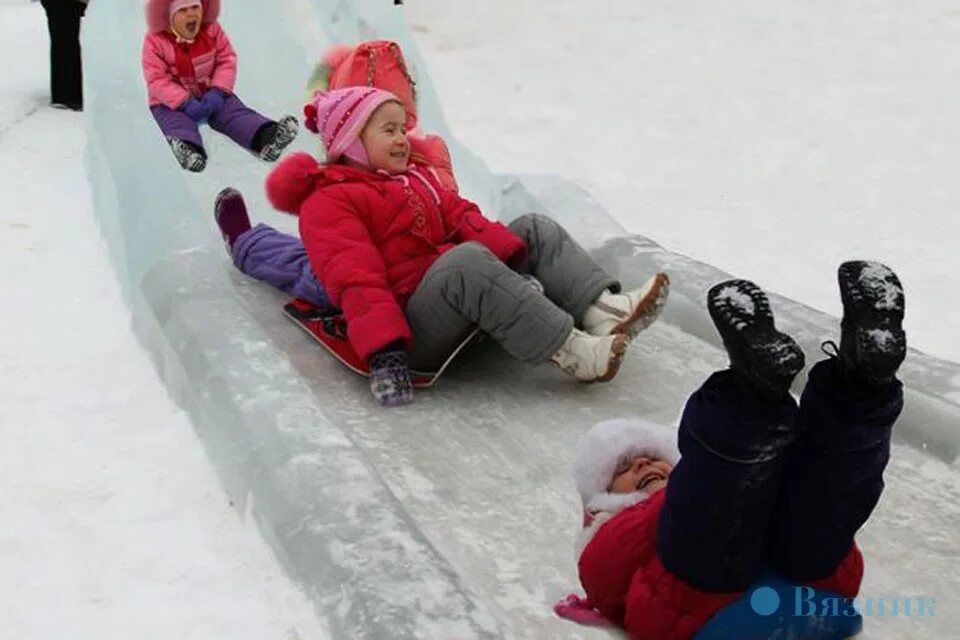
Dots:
{"x": 628, "y": 313}
{"x": 591, "y": 358}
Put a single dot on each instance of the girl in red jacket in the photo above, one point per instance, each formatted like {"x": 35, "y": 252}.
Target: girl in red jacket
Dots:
{"x": 280, "y": 259}
{"x": 190, "y": 69}
{"x": 415, "y": 267}
{"x": 762, "y": 483}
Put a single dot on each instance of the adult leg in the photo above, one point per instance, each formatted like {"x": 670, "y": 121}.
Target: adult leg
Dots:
{"x": 576, "y": 283}
{"x": 733, "y": 438}
{"x": 834, "y": 475}
{"x": 73, "y": 61}
{"x": 468, "y": 286}
{"x": 63, "y": 24}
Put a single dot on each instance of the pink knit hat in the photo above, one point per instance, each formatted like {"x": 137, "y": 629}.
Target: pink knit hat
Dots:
{"x": 176, "y": 5}
{"x": 339, "y": 116}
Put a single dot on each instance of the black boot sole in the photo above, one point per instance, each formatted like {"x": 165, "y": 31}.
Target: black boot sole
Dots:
{"x": 873, "y": 310}
{"x": 766, "y": 358}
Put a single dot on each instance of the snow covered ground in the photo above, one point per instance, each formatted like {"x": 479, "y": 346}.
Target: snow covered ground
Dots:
{"x": 772, "y": 142}
{"x": 115, "y": 525}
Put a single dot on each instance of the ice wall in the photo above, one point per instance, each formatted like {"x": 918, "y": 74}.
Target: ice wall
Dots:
{"x": 331, "y": 520}
{"x": 452, "y": 518}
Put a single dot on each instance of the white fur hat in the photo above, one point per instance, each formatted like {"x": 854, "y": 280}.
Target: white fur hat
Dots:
{"x": 604, "y": 445}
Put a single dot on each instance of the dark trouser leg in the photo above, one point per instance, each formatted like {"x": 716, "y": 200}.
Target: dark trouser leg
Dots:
{"x": 834, "y": 475}
{"x": 66, "y": 79}
{"x": 469, "y": 286}
{"x": 570, "y": 277}
{"x": 720, "y": 497}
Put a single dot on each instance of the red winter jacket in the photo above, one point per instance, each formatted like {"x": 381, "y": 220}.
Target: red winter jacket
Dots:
{"x": 625, "y": 580}
{"x": 370, "y": 237}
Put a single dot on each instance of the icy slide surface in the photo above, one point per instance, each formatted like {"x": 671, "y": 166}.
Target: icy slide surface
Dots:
{"x": 452, "y": 518}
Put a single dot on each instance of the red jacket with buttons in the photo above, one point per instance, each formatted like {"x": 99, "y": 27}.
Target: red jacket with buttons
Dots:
{"x": 370, "y": 237}
{"x": 624, "y": 579}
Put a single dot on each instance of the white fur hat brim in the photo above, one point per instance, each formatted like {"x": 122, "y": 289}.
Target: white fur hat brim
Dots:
{"x": 604, "y": 444}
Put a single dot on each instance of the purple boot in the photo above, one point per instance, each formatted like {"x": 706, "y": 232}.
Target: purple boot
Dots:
{"x": 231, "y": 214}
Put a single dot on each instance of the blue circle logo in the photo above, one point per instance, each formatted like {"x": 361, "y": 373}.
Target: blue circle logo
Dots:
{"x": 765, "y": 601}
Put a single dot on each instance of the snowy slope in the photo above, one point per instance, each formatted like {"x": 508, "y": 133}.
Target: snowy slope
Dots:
{"x": 470, "y": 480}
{"x": 115, "y": 525}
{"x": 773, "y": 140}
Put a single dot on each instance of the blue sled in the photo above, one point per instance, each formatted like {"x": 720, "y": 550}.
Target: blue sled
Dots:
{"x": 777, "y": 609}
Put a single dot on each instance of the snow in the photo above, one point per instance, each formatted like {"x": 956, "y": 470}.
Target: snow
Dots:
{"x": 115, "y": 525}
{"x": 773, "y": 142}
{"x": 883, "y": 338}
{"x": 879, "y": 281}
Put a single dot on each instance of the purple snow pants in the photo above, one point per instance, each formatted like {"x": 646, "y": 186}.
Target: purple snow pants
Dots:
{"x": 236, "y": 120}
{"x": 279, "y": 260}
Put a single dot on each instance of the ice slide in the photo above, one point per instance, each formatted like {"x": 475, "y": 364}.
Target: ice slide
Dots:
{"x": 452, "y": 518}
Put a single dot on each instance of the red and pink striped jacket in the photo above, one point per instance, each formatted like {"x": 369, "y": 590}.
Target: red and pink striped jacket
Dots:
{"x": 175, "y": 69}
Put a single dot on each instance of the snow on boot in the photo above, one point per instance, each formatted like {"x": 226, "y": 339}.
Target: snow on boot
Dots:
{"x": 189, "y": 157}
{"x": 591, "y": 358}
{"x": 628, "y": 313}
{"x": 231, "y": 215}
{"x": 873, "y": 343}
{"x": 283, "y": 134}
{"x": 764, "y": 358}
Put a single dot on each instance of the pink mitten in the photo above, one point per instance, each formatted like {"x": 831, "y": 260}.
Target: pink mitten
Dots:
{"x": 580, "y": 610}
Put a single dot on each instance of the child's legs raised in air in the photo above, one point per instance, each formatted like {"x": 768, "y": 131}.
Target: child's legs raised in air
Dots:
{"x": 720, "y": 497}
{"x": 238, "y": 121}
{"x": 469, "y": 286}
{"x": 279, "y": 260}
{"x": 177, "y": 124}
{"x": 570, "y": 277}
{"x": 834, "y": 475}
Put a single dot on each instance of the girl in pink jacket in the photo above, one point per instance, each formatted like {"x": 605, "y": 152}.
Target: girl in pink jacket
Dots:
{"x": 190, "y": 68}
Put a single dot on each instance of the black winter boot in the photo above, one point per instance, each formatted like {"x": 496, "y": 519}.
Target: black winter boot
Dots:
{"x": 274, "y": 137}
{"x": 872, "y": 341}
{"x": 765, "y": 359}
{"x": 190, "y": 156}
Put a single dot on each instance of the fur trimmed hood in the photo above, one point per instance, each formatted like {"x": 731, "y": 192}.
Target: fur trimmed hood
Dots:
{"x": 158, "y": 13}
{"x": 599, "y": 450}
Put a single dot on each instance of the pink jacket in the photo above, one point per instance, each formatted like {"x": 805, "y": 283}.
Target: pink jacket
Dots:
{"x": 176, "y": 70}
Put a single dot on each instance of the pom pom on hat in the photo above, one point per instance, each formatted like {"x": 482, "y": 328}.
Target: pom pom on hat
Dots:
{"x": 604, "y": 445}
{"x": 292, "y": 181}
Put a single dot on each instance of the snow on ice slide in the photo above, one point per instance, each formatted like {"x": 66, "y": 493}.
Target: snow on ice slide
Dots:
{"x": 452, "y": 518}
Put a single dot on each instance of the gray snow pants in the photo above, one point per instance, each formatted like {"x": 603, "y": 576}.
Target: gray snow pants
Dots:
{"x": 469, "y": 286}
